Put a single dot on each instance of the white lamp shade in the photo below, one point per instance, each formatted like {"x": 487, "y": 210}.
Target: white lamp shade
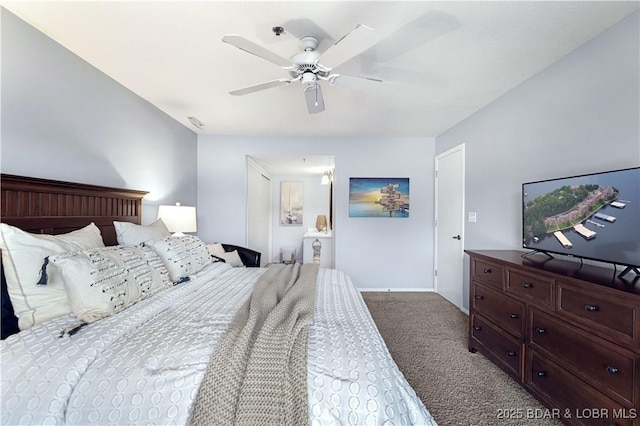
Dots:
{"x": 178, "y": 218}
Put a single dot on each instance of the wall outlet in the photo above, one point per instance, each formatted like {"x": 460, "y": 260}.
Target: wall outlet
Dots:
{"x": 472, "y": 216}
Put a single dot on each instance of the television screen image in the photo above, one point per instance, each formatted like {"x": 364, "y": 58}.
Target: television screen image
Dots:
{"x": 595, "y": 216}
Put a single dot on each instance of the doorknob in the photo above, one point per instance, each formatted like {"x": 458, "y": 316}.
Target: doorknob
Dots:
{"x": 457, "y": 237}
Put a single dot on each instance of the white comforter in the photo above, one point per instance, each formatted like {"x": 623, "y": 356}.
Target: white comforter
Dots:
{"x": 144, "y": 365}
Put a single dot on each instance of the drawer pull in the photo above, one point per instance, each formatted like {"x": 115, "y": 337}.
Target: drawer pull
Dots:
{"x": 541, "y": 373}
{"x": 540, "y": 330}
{"x": 477, "y": 328}
{"x": 486, "y": 271}
{"x": 591, "y": 308}
{"x": 511, "y": 353}
{"x": 479, "y": 297}
{"x": 527, "y": 285}
{"x": 611, "y": 369}
{"x": 513, "y": 316}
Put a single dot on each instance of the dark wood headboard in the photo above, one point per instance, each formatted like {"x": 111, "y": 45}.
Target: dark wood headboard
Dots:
{"x": 46, "y": 206}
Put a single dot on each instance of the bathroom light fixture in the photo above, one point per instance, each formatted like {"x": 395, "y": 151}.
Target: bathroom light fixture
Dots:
{"x": 326, "y": 178}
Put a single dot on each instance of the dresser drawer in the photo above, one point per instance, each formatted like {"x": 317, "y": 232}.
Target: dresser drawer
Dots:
{"x": 507, "y": 349}
{"x": 578, "y": 403}
{"x": 504, "y": 311}
{"x": 534, "y": 289}
{"x": 487, "y": 273}
{"x": 594, "y": 360}
{"x": 599, "y": 312}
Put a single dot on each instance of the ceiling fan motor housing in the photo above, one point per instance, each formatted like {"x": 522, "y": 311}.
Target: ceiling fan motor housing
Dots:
{"x": 306, "y": 58}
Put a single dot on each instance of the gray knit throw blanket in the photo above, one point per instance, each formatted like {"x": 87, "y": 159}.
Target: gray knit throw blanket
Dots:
{"x": 258, "y": 375}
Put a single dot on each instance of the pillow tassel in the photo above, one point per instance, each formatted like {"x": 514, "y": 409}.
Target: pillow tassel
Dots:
{"x": 43, "y": 272}
{"x": 183, "y": 280}
{"x": 72, "y": 329}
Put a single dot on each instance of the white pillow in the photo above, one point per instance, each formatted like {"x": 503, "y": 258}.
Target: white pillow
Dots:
{"x": 128, "y": 233}
{"x": 232, "y": 258}
{"x": 23, "y": 256}
{"x": 183, "y": 256}
{"x": 103, "y": 281}
{"x": 216, "y": 249}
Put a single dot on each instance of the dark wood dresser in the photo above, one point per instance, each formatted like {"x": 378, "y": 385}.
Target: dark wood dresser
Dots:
{"x": 569, "y": 333}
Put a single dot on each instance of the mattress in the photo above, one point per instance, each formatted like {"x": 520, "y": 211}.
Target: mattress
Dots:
{"x": 144, "y": 365}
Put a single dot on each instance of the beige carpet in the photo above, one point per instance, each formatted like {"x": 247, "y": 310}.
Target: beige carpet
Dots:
{"x": 427, "y": 338}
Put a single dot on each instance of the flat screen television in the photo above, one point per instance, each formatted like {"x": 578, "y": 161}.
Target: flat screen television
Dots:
{"x": 594, "y": 216}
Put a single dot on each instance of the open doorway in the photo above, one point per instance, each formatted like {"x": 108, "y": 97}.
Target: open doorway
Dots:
{"x": 314, "y": 174}
{"x": 259, "y": 210}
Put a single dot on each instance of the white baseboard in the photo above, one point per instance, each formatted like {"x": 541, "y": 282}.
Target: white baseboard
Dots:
{"x": 428, "y": 290}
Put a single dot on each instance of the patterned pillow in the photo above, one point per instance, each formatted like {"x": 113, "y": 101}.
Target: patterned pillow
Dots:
{"x": 128, "y": 233}
{"x": 23, "y": 256}
{"x": 101, "y": 282}
{"x": 182, "y": 255}
{"x": 155, "y": 263}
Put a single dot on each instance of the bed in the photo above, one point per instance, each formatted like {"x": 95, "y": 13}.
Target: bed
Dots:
{"x": 158, "y": 359}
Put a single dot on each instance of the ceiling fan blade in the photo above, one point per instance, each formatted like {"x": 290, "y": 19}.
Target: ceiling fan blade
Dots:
{"x": 259, "y": 51}
{"x": 313, "y": 96}
{"x": 355, "y": 82}
{"x": 261, "y": 86}
{"x": 352, "y": 44}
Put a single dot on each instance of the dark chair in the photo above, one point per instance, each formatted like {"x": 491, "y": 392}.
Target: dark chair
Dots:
{"x": 9, "y": 321}
{"x": 250, "y": 258}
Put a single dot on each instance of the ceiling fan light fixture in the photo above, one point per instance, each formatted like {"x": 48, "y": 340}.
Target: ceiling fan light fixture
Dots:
{"x": 309, "y": 79}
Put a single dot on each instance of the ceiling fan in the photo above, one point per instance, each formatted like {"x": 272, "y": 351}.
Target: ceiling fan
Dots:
{"x": 305, "y": 66}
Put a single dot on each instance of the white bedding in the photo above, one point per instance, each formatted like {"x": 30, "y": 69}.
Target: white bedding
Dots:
{"x": 144, "y": 365}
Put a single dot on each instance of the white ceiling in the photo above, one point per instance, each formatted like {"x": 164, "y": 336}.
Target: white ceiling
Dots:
{"x": 446, "y": 59}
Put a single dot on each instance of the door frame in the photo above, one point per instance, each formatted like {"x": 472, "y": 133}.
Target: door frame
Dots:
{"x": 460, "y": 147}
{"x": 252, "y": 164}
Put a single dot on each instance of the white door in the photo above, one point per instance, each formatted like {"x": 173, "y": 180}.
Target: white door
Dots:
{"x": 259, "y": 212}
{"x": 450, "y": 224}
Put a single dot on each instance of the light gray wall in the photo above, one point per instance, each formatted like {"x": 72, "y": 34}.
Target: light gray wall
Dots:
{"x": 378, "y": 253}
{"x": 63, "y": 119}
{"x": 580, "y": 115}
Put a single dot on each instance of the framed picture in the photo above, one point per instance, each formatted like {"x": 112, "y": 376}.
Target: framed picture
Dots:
{"x": 291, "y": 203}
{"x": 378, "y": 197}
